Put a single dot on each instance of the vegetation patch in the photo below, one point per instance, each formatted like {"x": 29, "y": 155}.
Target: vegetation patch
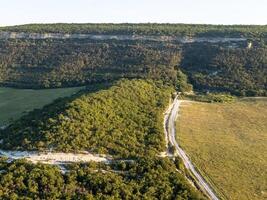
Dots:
{"x": 240, "y": 71}
{"x": 147, "y": 178}
{"x": 228, "y": 143}
{"x": 124, "y": 120}
{"x": 53, "y": 63}
{"x": 212, "y": 98}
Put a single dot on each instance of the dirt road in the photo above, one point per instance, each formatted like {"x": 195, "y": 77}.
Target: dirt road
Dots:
{"x": 170, "y": 129}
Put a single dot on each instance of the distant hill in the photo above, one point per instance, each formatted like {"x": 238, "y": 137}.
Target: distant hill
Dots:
{"x": 146, "y": 29}
{"x": 215, "y": 58}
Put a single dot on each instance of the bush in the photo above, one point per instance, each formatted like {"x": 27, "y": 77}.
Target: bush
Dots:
{"x": 213, "y": 98}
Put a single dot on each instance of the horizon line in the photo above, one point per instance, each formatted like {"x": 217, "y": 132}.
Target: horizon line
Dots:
{"x": 118, "y": 23}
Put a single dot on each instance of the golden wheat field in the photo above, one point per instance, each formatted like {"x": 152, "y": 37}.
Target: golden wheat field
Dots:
{"x": 228, "y": 144}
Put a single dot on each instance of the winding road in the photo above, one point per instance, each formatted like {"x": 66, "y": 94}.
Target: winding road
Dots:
{"x": 170, "y": 131}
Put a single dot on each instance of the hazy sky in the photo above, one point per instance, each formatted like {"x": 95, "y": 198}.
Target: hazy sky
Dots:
{"x": 171, "y": 11}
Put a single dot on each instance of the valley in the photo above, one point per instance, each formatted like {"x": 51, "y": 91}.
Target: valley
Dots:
{"x": 133, "y": 111}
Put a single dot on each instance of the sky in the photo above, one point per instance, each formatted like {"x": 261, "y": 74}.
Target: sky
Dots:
{"x": 13, "y": 12}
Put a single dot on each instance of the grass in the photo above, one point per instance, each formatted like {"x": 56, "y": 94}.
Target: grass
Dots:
{"x": 228, "y": 144}
{"x": 16, "y": 102}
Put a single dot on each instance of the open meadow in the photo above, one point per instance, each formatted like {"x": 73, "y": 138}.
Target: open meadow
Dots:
{"x": 15, "y": 102}
{"x": 228, "y": 144}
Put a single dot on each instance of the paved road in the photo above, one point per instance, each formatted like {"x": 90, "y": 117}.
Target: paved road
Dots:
{"x": 170, "y": 127}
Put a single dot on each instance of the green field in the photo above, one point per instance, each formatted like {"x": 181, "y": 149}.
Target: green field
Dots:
{"x": 228, "y": 143}
{"x": 15, "y": 102}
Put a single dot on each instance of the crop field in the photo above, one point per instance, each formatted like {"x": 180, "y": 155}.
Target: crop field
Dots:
{"x": 15, "y": 102}
{"x": 228, "y": 144}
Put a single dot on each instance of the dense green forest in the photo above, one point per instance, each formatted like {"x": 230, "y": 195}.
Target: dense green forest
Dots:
{"x": 124, "y": 120}
{"x": 240, "y": 71}
{"x": 146, "y": 29}
{"x": 221, "y": 66}
{"x": 53, "y": 63}
{"x": 65, "y": 63}
{"x": 146, "y": 178}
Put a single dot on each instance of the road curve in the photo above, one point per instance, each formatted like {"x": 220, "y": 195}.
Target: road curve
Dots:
{"x": 170, "y": 128}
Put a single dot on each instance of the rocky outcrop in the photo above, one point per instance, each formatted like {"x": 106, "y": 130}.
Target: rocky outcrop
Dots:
{"x": 36, "y": 36}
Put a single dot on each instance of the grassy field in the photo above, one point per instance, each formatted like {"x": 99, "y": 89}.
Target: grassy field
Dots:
{"x": 228, "y": 143}
{"x": 15, "y": 102}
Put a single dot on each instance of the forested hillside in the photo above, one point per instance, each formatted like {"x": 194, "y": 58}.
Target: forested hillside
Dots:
{"x": 65, "y": 63}
{"x": 240, "y": 71}
{"x": 124, "y": 120}
{"x": 239, "y": 67}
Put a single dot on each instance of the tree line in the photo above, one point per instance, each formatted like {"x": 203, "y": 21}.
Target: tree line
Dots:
{"x": 201, "y": 30}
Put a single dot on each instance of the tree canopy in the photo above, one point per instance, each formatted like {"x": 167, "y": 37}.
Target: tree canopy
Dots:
{"x": 124, "y": 120}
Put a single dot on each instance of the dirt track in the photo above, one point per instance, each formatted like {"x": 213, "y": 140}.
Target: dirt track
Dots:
{"x": 170, "y": 129}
